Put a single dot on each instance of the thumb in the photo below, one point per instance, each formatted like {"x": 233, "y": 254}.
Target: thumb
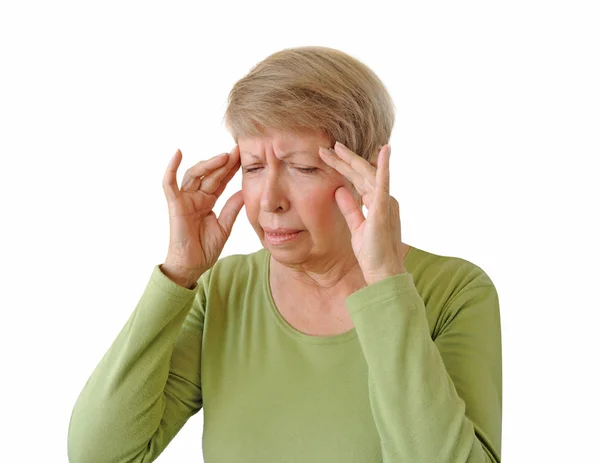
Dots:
{"x": 350, "y": 208}
{"x": 230, "y": 211}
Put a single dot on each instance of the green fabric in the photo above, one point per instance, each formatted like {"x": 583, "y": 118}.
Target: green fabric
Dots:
{"x": 418, "y": 378}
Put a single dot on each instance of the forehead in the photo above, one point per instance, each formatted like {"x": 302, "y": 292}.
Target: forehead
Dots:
{"x": 282, "y": 143}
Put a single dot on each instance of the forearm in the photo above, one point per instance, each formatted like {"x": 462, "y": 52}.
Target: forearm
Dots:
{"x": 121, "y": 405}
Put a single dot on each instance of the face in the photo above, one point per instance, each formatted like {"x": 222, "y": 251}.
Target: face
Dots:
{"x": 285, "y": 184}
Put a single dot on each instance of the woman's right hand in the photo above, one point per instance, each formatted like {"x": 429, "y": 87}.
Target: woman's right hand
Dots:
{"x": 197, "y": 236}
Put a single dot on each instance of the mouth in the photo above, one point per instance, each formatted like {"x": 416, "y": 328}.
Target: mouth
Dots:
{"x": 280, "y": 235}
{"x": 280, "y": 231}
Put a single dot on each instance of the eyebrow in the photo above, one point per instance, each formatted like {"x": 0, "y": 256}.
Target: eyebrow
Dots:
{"x": 284, "y": 155}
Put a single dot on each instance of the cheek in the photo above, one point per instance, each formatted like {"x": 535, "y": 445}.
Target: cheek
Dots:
{"x": 321, "y": 205}
{"x": 250, "y": 189}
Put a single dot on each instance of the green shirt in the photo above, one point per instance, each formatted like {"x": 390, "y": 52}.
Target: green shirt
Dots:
{"x": 418, "y": 378}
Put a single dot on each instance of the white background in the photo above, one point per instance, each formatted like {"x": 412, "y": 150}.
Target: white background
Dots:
{"x": 493, "y": 160}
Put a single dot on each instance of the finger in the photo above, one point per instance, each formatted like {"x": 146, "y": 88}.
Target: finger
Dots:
{"x": 193, "y": 176}
{"x": 228, "y": 178}
{"x": 382, "y": 190}
{"x": 230, "y": 211}
{"x": 170, "y": 178}
{"x": 368, "y": 200}
{"x": 350, "y": 208}
{"x": 211, "y": 182}
{"x": 362, "y": 184}
{"x": 358, "y": 163}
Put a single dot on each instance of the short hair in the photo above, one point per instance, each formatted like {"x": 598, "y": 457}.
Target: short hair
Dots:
{"x": 313, "y": 88}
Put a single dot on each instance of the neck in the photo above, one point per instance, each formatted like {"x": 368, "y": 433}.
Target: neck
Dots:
{"x": 332, "y": 278}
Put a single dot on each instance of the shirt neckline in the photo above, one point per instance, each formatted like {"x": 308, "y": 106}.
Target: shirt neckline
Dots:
{"x": 289, "y": 329}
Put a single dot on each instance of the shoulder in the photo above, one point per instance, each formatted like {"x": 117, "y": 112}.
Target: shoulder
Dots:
{"x": 448, "y": 284}
{"x": 450, "y": 271}
{"x": 227, "y": 284}
{"x": 241, "y": 263}
{"x": 236, "y": 270}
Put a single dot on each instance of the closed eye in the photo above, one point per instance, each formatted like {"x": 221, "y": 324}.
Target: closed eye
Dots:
{"x": 304, "y": 170}
{"x": 307, "y": 170}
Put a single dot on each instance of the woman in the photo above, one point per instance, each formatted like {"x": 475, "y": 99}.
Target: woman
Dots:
{"x": 336, "y": 342}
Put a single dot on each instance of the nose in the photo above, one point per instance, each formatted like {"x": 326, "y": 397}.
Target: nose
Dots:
{"x": 274, "y": 197}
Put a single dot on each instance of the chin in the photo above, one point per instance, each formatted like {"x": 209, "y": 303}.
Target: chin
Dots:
{"x": 287, "y": 254}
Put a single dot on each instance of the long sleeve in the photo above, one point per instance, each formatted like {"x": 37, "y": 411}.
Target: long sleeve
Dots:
{"x": 433, "y": 400}
{"x": 147, "y": 385}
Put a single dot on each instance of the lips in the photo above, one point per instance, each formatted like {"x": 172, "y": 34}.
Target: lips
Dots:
{"x": 280, "y": 231}
{"x": 281, "y": 236}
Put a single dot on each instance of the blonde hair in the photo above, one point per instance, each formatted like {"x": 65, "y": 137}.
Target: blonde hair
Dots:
{"x": 316, "y": 89}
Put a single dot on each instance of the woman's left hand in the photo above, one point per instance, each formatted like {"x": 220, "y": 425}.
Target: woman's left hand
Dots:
{"x": 376, "y": 239}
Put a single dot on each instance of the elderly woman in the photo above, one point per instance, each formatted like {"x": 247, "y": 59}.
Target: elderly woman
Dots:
{"x": 335, "y": 342}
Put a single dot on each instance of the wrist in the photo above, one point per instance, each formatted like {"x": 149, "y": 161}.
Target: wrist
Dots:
{"x": 182, "y": 277}
{"x": 372, "y": 279}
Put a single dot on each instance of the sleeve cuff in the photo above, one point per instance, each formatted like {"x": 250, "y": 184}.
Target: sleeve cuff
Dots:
{"x": 168, "y": 286}
{"x": 385, "y": 290}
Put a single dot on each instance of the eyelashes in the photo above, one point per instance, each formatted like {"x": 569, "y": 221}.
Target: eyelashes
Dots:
{"x": 304, "y": 170}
